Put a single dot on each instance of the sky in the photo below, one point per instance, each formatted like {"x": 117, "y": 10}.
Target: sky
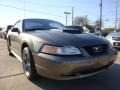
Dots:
{"x": 14, "y": 10}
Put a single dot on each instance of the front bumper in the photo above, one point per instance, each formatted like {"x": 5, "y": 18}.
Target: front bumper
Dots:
{"x": 63, "y": 68}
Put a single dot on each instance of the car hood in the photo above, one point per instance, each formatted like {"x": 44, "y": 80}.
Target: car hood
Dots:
{"x": 65, "y": 38}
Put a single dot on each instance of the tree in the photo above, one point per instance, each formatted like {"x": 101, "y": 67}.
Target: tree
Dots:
{"x": 81, "y": 20}
{"x": 90, "y": 27}
{"x": 106, "y": 31}
{"x": 97, "y": 24}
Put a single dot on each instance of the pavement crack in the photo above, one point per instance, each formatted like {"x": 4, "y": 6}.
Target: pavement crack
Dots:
{"x": 11, "y": 75}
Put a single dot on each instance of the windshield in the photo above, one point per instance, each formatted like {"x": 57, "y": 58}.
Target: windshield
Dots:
{"x": 41, "y": 24}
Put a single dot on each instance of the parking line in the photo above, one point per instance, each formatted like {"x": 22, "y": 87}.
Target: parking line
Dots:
{"x": 11, "y": 75}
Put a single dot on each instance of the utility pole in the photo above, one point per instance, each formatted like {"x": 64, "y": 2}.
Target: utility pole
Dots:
{"x": 116, "y": 17}
{"x": 119, "y": 23}
{"x": 66, "y": 13}
{"x": 101, "y": 15}
{"x": 24, "y": 8}
{"x": 72, "y": 14}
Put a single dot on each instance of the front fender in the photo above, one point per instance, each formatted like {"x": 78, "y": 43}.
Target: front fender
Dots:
{"x": 33, "y": 43}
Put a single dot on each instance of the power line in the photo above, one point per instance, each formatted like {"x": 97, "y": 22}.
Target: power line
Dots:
{"x": 49, "y": 5}
{"x": 24, "y": 8}
{"x": 29, "y": 10}
{"x": 45, "y": 5}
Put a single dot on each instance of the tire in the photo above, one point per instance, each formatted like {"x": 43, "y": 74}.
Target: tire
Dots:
{"x": 28, "y": 64}
{"x": 2, "y": 36}
{"x": 8, "y": 47}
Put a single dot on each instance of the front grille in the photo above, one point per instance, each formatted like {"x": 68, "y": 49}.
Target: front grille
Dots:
{"x": 94, "y": 69}
{"x": 90, "y": 50}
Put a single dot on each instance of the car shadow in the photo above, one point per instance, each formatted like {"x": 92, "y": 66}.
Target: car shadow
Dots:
{"x": 107, "y": 80}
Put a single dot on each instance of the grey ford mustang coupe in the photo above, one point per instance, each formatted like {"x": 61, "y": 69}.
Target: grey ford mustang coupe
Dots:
{"x": 45, "y": 47}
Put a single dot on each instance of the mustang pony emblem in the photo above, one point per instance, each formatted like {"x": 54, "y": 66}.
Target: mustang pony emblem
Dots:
{"x": 97, "y": 49}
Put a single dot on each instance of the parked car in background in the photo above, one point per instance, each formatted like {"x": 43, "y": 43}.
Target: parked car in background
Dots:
{"x": 97, "y": 32}
{"x": 1, "y": 33}
{"x": 4, "y": 31}
{"x": 0, "y": 28}
{"x": 84, "y": 29}
{"x": 45, "y": 47}
{"x": 114, "y": 38}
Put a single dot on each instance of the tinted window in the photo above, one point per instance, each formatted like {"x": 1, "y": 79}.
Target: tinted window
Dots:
{"x": 41, "y": 24}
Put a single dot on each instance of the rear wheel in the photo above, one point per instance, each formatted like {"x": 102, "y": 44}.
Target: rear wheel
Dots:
{"x": 28, "y": 64}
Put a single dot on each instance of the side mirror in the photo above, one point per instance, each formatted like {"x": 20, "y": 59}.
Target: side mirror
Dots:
{"x": 16, "y": 30}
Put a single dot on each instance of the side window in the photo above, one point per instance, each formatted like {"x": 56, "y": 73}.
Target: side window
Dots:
{"x": 17, "y": 25}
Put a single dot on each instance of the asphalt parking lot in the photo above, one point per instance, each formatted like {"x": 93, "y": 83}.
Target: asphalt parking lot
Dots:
{"x": 12, "y": 77}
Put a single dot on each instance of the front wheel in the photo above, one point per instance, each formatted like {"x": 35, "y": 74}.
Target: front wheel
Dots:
{"x": 28, "y": 64}
{"x": 8, "y": 47}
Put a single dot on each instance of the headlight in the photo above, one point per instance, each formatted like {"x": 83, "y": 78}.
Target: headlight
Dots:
{"x": 66, "y": 50}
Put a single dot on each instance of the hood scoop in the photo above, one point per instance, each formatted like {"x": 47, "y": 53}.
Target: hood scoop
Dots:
{"x": 72, "y": 31}
{"x": 68, "y": 30}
